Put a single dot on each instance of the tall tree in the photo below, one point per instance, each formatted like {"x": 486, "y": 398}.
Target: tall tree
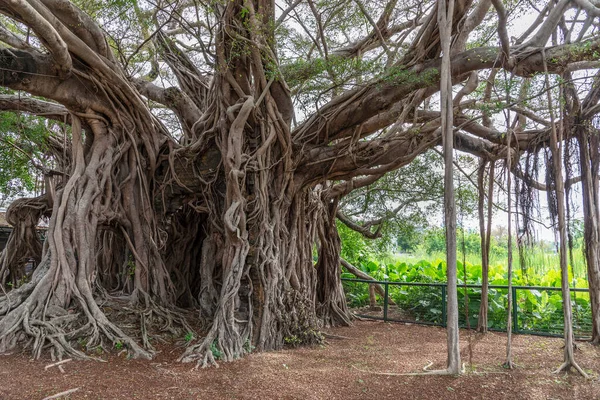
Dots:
{"x": 187, "y": 179}
{"x": 445, "y": 14}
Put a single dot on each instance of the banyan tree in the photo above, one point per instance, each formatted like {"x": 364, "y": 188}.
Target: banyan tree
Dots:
{"x": 197, "y": 151}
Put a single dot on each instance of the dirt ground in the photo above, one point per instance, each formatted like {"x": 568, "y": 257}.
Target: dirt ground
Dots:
{"x": 363, "y": 365}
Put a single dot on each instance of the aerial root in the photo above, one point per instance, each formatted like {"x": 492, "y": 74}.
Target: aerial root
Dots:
{"x": 201, "y": 353}
{"x": 163, "y": 319}
{"x": 429, "y": 364}
{"x": 426, "y": 371}
{"x": 145, "y": 317}
{"x": 62, "y": 333}
{"x": 78, "y": 335}
{"x": 566, "y": 367}
{"x": 40, "y": 333}
{"x": 61, "y": 394}
{"x": 508, "y": 364}
{"x": 207, "y": 361}
{"x": 116, "y": 336}
{"x": 221, "y": 343}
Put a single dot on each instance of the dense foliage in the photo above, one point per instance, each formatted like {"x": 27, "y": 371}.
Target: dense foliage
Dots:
{"x": 539, "y": 310}
{"x": 22, "y": 144}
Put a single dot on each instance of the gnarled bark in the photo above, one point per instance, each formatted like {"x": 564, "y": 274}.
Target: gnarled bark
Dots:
{"x": 24, "y": 242}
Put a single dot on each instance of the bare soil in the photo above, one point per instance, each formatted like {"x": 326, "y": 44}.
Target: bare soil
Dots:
{"x": 352, "y": 367}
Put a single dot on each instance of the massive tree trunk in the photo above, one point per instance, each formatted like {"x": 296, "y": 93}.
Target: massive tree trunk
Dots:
{"x": 58, "y": 304}
{"x": 114, "y": 151}
{"x": 277, "y": 296}
{"x": 242, "y": 250}
{"x": 115, "y": 142}
{"x": 265, "y": 226}
{"x": 330, "y": 294}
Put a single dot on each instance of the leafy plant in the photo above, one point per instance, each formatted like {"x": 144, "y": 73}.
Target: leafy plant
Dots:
{"x": 539, "y": 310}
{"x": 217, "y": 354}
{"x": 248, "y": 348}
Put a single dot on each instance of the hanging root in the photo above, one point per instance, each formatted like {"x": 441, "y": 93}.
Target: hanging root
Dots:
{"x": 23, "y": 243}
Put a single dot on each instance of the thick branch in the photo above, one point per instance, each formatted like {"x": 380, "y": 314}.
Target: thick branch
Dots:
{"x": 45, "y": 32}
{"x": 365, "y": 229}
{"x": 81, "y": 24}
{"x": 539, "y": 185}
{"x": 361, "y": 275}
{"x": 13, "y": 40}
{"x": 172, "y": 98}
{"x": 589, "y": 7}
{"x": 33, "y": 106}
{"x": 34, "y": 73}
{"x": 381, "y": 32}
{"x": 357, "y": 106}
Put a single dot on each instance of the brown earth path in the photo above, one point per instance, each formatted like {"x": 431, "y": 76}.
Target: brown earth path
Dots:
{"x": 349, "y": 368}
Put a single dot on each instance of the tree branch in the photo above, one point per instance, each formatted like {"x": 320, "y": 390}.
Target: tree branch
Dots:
{"x": 589, "y": 7}
{"x": 356, "y": 106}
{"x": 13, "y": 40}
{"x": 34, "y": 72}
{"x": 365, "y": 229}
{"x": 174, "y": 99}
{"x": 362, "y": 275}
{"x": 45, "y": 32}
{"x": 33, "y": 106}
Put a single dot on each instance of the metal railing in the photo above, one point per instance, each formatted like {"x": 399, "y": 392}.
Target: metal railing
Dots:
{"x": 536, "y": 310}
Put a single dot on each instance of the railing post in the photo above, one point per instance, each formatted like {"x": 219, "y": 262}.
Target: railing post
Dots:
{"x": 515, "y": 317}
{"x": 443, "y": 305}
{"x": 385, "y": 301}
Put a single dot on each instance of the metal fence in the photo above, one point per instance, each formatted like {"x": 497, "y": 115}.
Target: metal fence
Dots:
{"x": 536, "y": 310}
